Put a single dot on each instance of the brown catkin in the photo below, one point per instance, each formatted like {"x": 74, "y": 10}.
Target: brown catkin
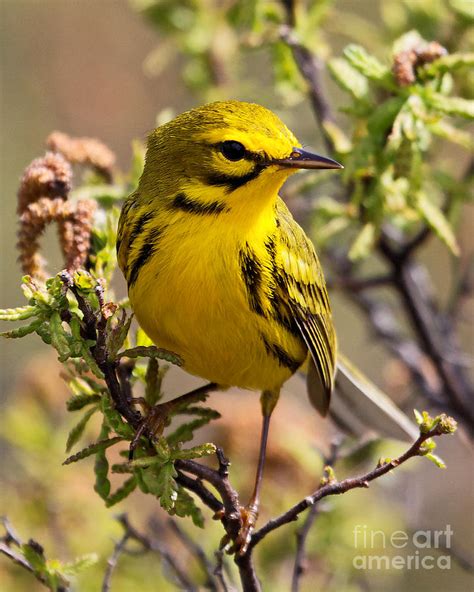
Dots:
{"x": 406, "y": 62}
{"x": 42, "y": 199}
{"x": 85, "y": 151}
{"x": 50, "y": 175}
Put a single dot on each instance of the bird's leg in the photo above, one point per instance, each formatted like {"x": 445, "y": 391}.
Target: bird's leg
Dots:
{"x": 249, "y": 513}
{"x": 155, "y": 419}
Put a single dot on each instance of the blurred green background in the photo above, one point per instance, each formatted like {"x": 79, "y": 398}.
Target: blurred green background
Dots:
{"x": 97, "y": 67}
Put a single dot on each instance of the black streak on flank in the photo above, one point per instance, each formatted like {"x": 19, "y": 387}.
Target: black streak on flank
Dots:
{"x": 231, "y": 182}
{"x": 252, "y": 273}
{"x": 148, "y": 248}
{"x": 284, "y": 359}
{"x": 280, "y": 310}
{"x": 186, "y": 204}
{"x": 138, "y": 227}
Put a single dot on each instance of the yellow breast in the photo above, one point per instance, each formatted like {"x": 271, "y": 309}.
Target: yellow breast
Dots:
{"x": 192, "y": 298}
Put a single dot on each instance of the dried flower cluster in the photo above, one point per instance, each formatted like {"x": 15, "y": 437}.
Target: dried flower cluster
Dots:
{"x": 43, "y": 199}
{"x": 406, "y": 62}
{"x": 85, "y": 151}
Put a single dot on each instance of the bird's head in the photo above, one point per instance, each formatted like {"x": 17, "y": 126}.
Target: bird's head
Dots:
{"x": 229, "y": 152}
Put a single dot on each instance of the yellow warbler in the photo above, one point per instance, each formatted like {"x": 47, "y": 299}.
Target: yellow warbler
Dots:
{"x": 218, "y": 271}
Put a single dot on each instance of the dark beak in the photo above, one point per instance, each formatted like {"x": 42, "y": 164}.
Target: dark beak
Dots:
{"x": 301, "y": 159}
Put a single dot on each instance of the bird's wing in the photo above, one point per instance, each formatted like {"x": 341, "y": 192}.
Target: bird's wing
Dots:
{"x": 302, "y": 287}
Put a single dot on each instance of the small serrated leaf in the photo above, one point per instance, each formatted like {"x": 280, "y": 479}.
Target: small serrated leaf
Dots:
{"x": 72, "y": 568}
{"x": 435, "y": 218}
{"x": 186, "y": 506}
{"x": 439, "y": 462}
{"x": 122, "y": 492}
{"x": 23, "y": 331}
{"x": 185, "y": 432}
{"x": 77, "y": 402}
{"x": 363, "y": 243}
{"x": 456, "y": 106}
{"x": 114, "y": 420}
{"x": 18, "y": 314}
{"x": 366, "y": 64}
{"x": 194, "y": 452}
{"x": 77, "y": 431}
{"x": 160, "y": 481}
{"x": 348, "y": 78}
{"x": 151, "y": 351}
{"x": 99, "y": 446}
{"x": 418, "y": 416}
{"x": 33, "y": 553}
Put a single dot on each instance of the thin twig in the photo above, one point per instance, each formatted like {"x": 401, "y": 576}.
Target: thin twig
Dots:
{"x": 303, "y": 532}
{"x": 196, "y": 551}
{"x": 113, "y": 560}
{"x": 130, "y": 532}
{"x": 219, "y": 571}
{"x": 339, "y": 487}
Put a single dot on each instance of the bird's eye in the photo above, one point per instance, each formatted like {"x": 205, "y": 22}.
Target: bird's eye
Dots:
{"x": 233, "y": 150}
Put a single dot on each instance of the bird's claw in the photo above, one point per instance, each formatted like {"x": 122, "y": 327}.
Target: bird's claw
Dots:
{"x": 248, "y": 515}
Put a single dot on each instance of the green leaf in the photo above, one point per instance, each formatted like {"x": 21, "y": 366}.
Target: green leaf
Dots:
{"x": 72, "y": 568}
{"x": 90, "y": 361}
{"x": 78, "y": 402}
{"x": 146, "y": 461}
{"x": 366, "y": 64}
{"x": 194, "y": 452}
{"x": 453, "y": 134}
{"x": 78, "y": 429}
{"x": 348, "y": 78}
{"x": 116, "y": 335}
{"x": 383, "y": 117}
{"x": 99, "y": 446}
{"x": 201, "y": 412}
{"x": 152, "y": 382}
{"x": 418, "y": 417}
{"x": 186, "y": 506}
{"x": 59, "y": 338}
{"x": 33, "y": 553}
{"x": 18, "y": 314}
{"x": 185, "y": 432}
{"x": 435, "y": 218}
{"x": 122, "y": 492}
{"x": 450, "y": 62}
{"x": 114, "y": 420}
{"x": 101, "y": 469}
{"x": 439, "y": 462}
{"x": 160, "y": 481}
{"x": 450, "y": 105}
{"x": 22, "y": 331}
{"x": 151, "y": 351}
{"x": 364, "y": 242}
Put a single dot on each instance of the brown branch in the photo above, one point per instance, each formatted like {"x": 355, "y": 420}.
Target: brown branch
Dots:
{"x": 219, "y": 571}
{"x": 196, "y": 551}
{"x": 131, "y": 533}
{"x": 303, "y": 532}
{"x": 339, "y": 487}
{"x": 113, "y": 560}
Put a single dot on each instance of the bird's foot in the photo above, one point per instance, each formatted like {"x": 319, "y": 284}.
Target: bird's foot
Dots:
{"x": 248, "y": 515}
